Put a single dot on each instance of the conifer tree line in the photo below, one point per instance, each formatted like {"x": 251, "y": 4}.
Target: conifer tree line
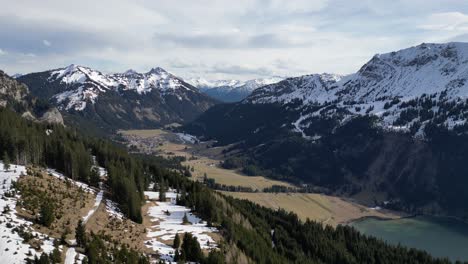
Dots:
{"x": 48, "y": 145}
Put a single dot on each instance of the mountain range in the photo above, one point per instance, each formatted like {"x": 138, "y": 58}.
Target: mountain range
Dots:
{"x": 392, "y": 133}
{"x": 118, "y": 100}
{"x": 231, "y": 90}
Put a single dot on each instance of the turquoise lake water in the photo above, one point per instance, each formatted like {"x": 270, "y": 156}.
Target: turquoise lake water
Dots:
{"x": 441, "y": 237}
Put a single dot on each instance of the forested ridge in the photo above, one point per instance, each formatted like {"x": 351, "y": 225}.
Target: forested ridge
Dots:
{"x": 351, "y": 158}
{"x": 26, "y": 142}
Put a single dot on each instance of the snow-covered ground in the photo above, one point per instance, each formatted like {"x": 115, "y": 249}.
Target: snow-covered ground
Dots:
{"x": 102, "y": 173}
{"x": 12, "y": 248}
{"x": 97, "y": 202}
{"x": 70, "y": 256}
{"x": 187, "y": 138}
{"x": 59, "y": 175}
{"x": 171, "y": 224}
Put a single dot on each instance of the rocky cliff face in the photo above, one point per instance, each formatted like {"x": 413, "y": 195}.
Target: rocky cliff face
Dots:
{"x": 17, "y": 97}
{"x": 12, "y": 91}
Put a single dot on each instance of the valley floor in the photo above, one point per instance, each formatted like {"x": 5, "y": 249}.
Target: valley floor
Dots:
{"x": 203, "y": 159}
{"x": 330, "y": 210}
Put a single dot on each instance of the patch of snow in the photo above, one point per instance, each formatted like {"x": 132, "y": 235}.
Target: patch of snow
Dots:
{"x": 187, "y": 138}
{"x": 172, "y": 224}
{"x": 59, "y": 175}
{"x": 113, "y": 210}
{"x": 12, "y": 248}
{"x": 70, "y": 256}
{"x": 97, "y": 202}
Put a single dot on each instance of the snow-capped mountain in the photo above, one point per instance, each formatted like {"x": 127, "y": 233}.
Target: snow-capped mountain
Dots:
{"x": 394, "y": 132}
{"x": 153, "y": 97}
{"x": 406, "y": 89}
{"x": 92, "y": 83}
{"x": 231, "y": 90}
{"x": 16, "y": 75}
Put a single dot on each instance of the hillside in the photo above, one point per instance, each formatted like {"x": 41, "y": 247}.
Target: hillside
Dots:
{"x": 391, "y": 134}
{"x": 230, "y": 90}
{"x": 16, "y": 96}
{"x": 121, "y": 100}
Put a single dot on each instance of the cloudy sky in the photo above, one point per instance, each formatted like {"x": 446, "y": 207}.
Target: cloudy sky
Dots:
{"x": 239, "y": 39}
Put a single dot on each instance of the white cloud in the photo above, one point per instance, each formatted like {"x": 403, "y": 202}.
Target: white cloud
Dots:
{"x": 46, "y": 43}
{"x": 220, "y": 39}
{"x": 447, "y": 21}
{"x": 2, "y": 52}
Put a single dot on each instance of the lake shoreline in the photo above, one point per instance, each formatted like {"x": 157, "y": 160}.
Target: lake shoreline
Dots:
{"x": 360, "y": 219}
{"x": 441, "y": 236}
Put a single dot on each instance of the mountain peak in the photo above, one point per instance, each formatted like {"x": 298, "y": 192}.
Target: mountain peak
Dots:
{"x": 130, "y": 72}
{"x": 157, "y": 70}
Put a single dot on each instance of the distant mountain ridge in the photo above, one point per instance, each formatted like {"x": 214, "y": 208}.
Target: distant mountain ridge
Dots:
{"x": 231, "y": 90}
{"x": 119, "y": 100}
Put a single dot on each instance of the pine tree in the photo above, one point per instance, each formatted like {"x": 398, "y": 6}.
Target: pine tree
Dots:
{"x": 191, "y": 248}
{"x": 162, "y": 191}
{"x": 55, "y": 256}
{"x": 94, "y": 177}
{"x": 185, "y": 219}
{"x": 44, "y": 259}
{"x": 176, "y": 241}
{"x": 80, "y": 234}
{"x": 46, "y": 214}
{"x": 215, "y": 257}
{"x": 6, "y": 161}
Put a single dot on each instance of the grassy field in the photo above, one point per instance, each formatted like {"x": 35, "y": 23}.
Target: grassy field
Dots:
{"x": 228, "y": 177}
{"x": 143, "y": 133}
{"x": 203, "y": 160}
{"x": 323, "y": 208}
{"x": 329, "y": 210}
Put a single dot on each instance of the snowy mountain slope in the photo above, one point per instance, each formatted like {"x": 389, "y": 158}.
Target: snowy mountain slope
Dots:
{"x": 231, "y": 90}
{"x": 119, "y": 100}
{"x": 208, "y": 84}
{"x": 405, "y": 89}
{"x": 88, "y": 84}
